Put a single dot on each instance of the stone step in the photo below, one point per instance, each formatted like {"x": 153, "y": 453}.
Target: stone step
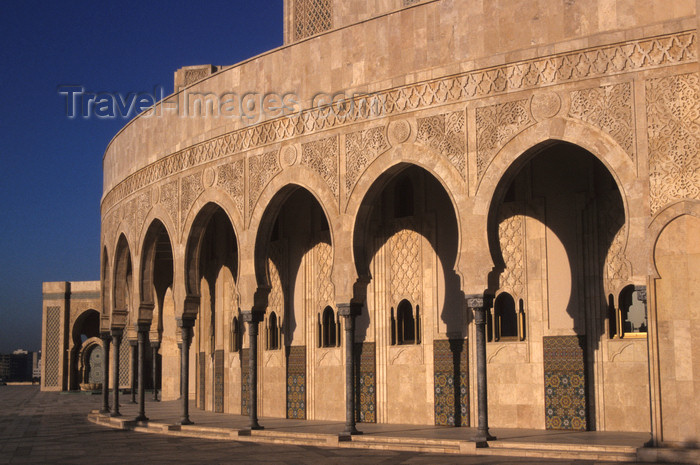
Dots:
{"x": 505, "y": 444}
{"x": 562, "y": 453}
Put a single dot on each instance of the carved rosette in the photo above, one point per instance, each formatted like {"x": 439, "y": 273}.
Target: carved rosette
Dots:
{"x": 191, "y": 188}
{"x": 495, "y": 126}
{"x": 261, "y": 169}
{"x": 322, "y": 157}
{"x": 361, "y": 149}
{"x": 608, "y": 108}
{"x": 673, "y": 118}
{"x": 447, "y": 135}
{"x": 231, "y": 178}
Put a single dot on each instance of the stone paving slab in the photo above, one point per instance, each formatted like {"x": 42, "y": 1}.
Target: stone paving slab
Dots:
{"x": 43, "y": 427}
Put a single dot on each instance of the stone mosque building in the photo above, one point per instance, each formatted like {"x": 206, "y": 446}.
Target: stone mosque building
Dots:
{"x": 442, "y": 212}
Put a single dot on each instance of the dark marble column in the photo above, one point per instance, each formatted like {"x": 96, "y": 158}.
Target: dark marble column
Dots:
{"x": 134, "y": 368}
{"x": 117, "y": 334}
{"x": 142, "y": 329}
{"x": 186, "y": 325}
{"x": 106, "y": 339}
{"x": 478, "y": 305}
{"x": 155, "y": 345}
{"x": 349, "y": 312}
{"x": 253, "y": 318}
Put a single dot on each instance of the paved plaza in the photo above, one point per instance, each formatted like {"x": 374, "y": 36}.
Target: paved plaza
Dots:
{"x": 44, "y": 427}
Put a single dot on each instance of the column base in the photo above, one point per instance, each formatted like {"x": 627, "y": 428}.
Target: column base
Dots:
{"x": 248, "y": 431}
{"x": 105, "y": 411}
{"x": 348, "y": 433}
{"x": 115, "y": 414}
{"x": 482, "y": 436}
{"x": 185, "y": 422}
{"x": 141, "y": 418}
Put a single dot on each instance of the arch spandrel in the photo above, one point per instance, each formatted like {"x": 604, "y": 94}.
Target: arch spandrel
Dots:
{"x": 661, "y": 221}
{"x": 156, "y": 213}
{"x": 520, "y": 149}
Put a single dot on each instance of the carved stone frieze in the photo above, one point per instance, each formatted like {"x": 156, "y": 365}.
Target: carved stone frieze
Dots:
{"x": 136, "y": 210}
{"x": 190, "y": 188}
{"x": 446, "y": 134}
{"x": 608, "y": 60}
{"x": 496, "y": 125}
{"x": 608, "y": 108}
{"x": 322, "y": 157}
{"x": 231, "y": 178}
{"x": 673, "y": 119}
{"x": 261, "y": 169}
{"x": 361, "y": 148}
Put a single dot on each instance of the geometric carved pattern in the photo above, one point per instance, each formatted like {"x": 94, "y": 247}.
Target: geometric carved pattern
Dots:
{"x": 366, "y": 382}
{"x": 219, "y": 381}
{"x": 323, "y": 251}
{"x": 137, "y": 209}
{"x": 124, "y": 365}
{"x": 608, "y": 108}
{"x": 405, "y": 263}
{"x": 446, "y": 134}
{"x": 361, "y": 148}
{"x": 169, "y": 198}
{"x": 322, "y": 157}
{"x": 311, "y": 17}
{"x": 496, "y": 125}
{"x": 231, "y": 179}
{"x": 296, "y": 382}
{"x": 673, "y": 117}
{"x": 191, "y": 188}
{"x": 565, "y": 382}
{"x": 511, "y": 235}
{"x": 634, "y": 55}
{"x": 276, "y": 267}
{"x": 53, "y": 351}
{"x": 451, "y": 400}
{"x": 261, "y": 169}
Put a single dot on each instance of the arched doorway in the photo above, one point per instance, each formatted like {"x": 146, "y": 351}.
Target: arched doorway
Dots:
{"x": 558, "y": 232}
{"x": 411, "y": 335}
{"x": 212, "y": 270}
{"x": 301, "y": 375}
{"x": 85, "y": 328}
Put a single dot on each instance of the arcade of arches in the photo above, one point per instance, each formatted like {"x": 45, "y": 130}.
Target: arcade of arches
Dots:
{"x": 477, "y": 243}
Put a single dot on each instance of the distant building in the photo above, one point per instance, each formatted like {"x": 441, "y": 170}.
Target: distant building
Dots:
{"x": 16, "y": 366}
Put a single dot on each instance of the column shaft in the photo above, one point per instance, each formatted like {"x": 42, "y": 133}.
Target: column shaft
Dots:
{"x": 349, "y": 311}
{"x": 134, "y": 368}
{"x": 479, "y": 311}
{"x": 186, "y": 326}
{"x": 116, "y": 342}
{"x": 253, "y": 371}
{"x": 154, "y": 375}
{"x": 105, "y": 373}
{"x": 142, "y": 339}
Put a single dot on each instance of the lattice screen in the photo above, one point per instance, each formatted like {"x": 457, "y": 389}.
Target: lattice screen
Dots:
{"x": 312, "y": 17}
{"x": 53, "y": 351}
{"x": 124, "y": 364}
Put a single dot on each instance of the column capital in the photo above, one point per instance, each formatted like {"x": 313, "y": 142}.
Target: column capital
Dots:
{"x": 143, "y": 326}
{"x": 252, "y": 316}
{"x": 479, "y": 301}
{"x": 641, "y": 293}
{"x": 105, "y": 335}
{"x": 349, "y": 309}
{"x": 185, "y": 321}
{"x": 155, "y": 345}
{"x": 119, "y": 317}
{"x": 117, "y": 332}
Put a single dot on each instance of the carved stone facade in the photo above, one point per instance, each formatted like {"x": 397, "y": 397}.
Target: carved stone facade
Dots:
{"x": 543, "y": 165}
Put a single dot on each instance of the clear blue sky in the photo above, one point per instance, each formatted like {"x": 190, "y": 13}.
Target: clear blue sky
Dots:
{"x": 51, "y": 166}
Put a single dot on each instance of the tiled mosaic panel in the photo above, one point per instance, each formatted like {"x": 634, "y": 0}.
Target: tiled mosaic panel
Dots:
{"x": 219, "y": 381}
{"x": 565, "y": 400}
{"x": 96, "y": 365}
{"x": 201, "y": 378}
{"x": 245, "y": 369}
{"x": 124, "y": 364}
{"x": 296, "y": 382}
{"x": 451, "y": 382}
{"x": 365, "y": 382}
{"x": 53, "y": 332}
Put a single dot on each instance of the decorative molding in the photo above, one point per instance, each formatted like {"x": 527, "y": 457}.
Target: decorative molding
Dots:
{"x": 322, "y": 157}
{"x": 446, "y": 134}
{"x": 673, "y": 119}
{"x": 496, "y": 125}
{"x": 624, "y": 57}
{"x": 231, "y": 178}
{"x": 608, "y": 108}
{"x": 361, "y": 148}
{"x": 261, "y": 169}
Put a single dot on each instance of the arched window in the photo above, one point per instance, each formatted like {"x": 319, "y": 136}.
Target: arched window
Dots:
{"x": 405, "y": 326}
{"x": 235, "y": 343}
{"x": 329, "y": 329}
{"x": 508, "y": 319}
{"x": 631, "y": 315}
{"x": 403, "y": 198}
{"x": 274, "y": 340}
